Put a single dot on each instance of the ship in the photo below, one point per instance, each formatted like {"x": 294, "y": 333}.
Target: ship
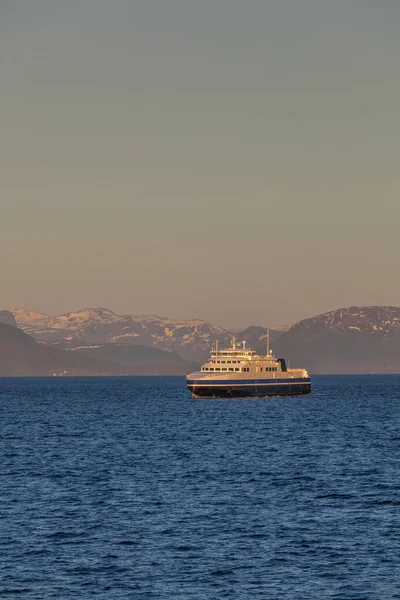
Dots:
{"x": 239, "y": 372}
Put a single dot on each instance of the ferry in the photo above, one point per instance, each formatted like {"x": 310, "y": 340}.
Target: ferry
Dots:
{"x": 239, "y": 372}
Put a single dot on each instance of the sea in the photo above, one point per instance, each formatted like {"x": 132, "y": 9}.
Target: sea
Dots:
{"x": 116, "y": 488}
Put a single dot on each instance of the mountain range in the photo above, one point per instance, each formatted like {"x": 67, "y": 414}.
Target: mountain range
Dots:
{"x": 21, "y": 355}
{"x": 99, "y": 341}
{"x": 95, "y": 327}
{"x": 349, "y": 340}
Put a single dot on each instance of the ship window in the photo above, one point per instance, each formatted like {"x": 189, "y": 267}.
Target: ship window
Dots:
{"x": 224, "y": 369}
{"x": 230, "y": 369}
{"x": 236, "y": 369}
{"x": 260, "y": 369}
{"x": 217, "y": 369}
{"x": 218, "y": 361}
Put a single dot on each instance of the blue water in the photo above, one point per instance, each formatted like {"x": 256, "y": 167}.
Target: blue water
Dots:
{"x": 128, "y": 488}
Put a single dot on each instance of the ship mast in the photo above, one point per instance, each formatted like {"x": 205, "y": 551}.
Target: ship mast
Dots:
{"x": 267, "y": 342}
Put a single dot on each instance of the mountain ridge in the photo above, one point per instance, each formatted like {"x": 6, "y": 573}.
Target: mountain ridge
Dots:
{"x": 190, "y": 339}
{"x": 355, "y": 339}
{"x": 21, "y": 355}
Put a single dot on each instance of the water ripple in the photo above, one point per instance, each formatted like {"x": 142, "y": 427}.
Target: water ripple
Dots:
{"x": 127, "y": 488}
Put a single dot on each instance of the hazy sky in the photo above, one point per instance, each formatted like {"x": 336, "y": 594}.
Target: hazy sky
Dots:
{"x": 232, "y": 160}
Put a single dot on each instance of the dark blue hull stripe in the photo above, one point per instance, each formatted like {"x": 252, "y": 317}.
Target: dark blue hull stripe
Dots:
{"x": 246, "y": 382}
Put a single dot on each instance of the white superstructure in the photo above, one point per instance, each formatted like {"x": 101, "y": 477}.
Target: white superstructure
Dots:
{"x": 239, "y": 370}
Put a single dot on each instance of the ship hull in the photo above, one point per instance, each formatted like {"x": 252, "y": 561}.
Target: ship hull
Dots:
{"x": 245, "y": 390}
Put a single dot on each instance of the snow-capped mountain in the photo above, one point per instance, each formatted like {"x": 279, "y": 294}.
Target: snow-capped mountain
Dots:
{"x": 21, "y": 355}
{"x": 377, "y": 320}
{"x": 29, "y": 318}
{"x": 190, "y": 339}
{"x": 347, "y": 340}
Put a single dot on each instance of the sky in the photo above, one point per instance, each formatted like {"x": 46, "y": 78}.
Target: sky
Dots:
{"x": 230, "y": 160}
